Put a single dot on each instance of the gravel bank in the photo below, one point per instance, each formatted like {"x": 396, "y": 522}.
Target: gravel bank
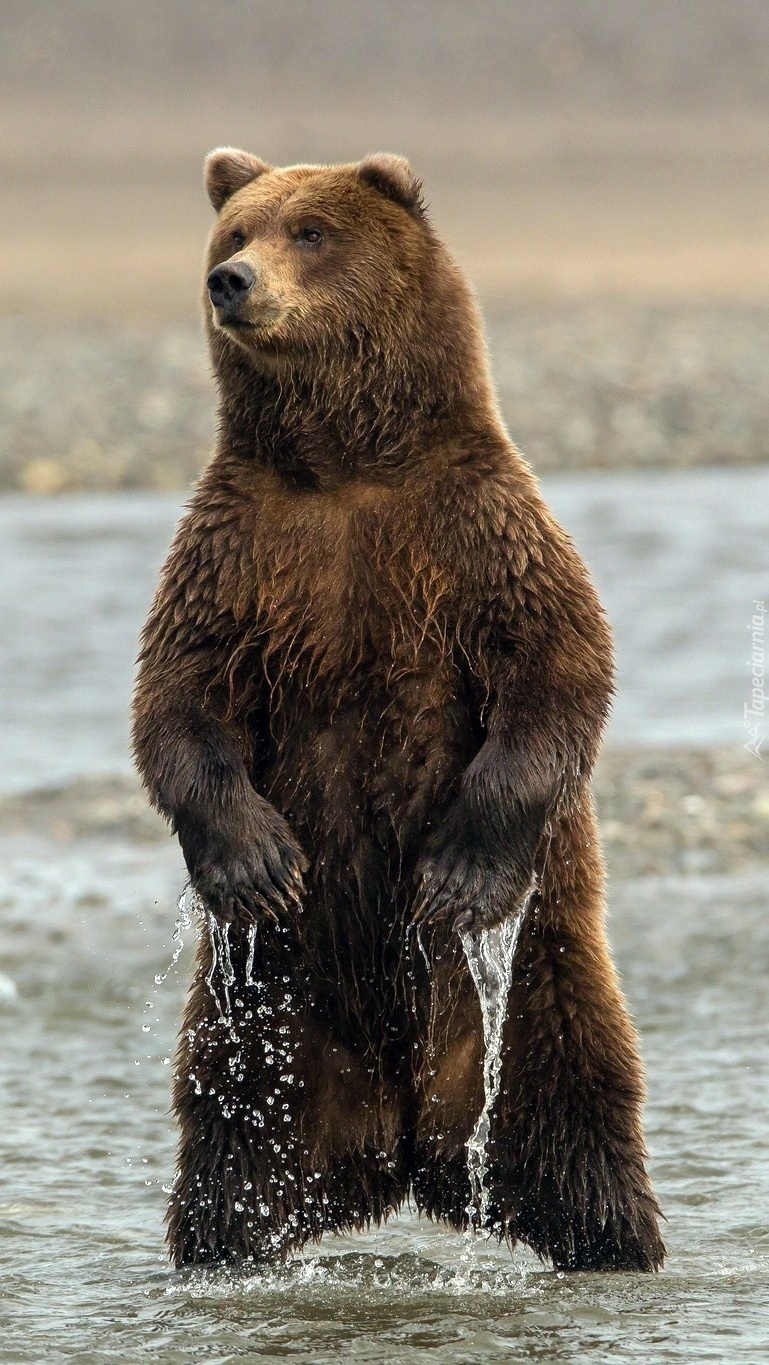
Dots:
{"x": 598, "y": 386}
{"x": 673, "y": 811}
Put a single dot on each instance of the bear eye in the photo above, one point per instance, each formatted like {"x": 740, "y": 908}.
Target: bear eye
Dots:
{"x": 238, "y": 240}
{"x": 310, "y": 236}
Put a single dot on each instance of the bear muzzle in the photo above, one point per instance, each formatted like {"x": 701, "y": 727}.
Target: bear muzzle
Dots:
{"x": 229, "y": 285}
{"x": 241, "y": 304}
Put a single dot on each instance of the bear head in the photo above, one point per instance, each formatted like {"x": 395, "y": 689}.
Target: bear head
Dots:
{"x": 330, "y": 280}
{"x": 302, "y": 256}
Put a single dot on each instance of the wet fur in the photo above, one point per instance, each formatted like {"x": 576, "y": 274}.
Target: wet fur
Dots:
{"x": 373, "y": 682}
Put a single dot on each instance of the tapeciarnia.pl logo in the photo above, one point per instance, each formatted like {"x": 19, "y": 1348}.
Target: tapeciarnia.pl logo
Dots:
{"x": 754, "y": 711}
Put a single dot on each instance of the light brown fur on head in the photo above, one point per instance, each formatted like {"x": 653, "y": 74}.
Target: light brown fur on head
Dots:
{"x": 226, "y": 170}
{"x": 373, "y": 248}
{"x": 357, "y": 309}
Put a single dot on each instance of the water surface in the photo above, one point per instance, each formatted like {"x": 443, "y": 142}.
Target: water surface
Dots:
{"x": 87, "y": 1147}
{"x": 86, "y": 1144}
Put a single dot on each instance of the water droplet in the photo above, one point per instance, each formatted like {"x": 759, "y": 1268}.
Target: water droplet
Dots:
{"x": 250, "y": 956}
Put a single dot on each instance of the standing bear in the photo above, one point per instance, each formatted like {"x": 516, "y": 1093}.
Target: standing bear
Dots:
{"x": 372, "y": 687}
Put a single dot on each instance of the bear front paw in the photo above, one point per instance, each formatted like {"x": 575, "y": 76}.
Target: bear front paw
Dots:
{"x": 246, "y": 874}
{"x": 465, "y": 890}
{"x": 265, "y": 881}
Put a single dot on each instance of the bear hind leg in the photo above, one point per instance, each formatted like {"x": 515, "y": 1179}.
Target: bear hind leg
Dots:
{"x": 568, "y": 1155}
{"x": 279, "y": 1144}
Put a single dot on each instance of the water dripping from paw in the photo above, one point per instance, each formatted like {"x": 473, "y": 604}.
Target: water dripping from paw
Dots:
{"x": 489, "y": 954}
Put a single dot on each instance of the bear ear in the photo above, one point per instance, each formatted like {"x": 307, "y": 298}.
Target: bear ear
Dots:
{"x": 393, "y": 177}
{"x": 227, "y": 169}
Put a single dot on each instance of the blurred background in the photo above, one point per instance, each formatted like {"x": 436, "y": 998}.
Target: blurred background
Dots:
{"x": 600, "y": 170}
{"x": 602, "y": 173}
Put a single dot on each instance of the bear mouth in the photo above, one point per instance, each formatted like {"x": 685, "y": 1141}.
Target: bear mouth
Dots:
{"x": 263, "y": 322}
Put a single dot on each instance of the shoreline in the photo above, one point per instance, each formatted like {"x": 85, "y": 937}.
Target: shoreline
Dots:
{"x": 661, "y": 811}
{"x": 605, "y": 385}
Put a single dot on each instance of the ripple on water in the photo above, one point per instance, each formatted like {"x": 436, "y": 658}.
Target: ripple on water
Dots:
{"x": 91, "y": 1144}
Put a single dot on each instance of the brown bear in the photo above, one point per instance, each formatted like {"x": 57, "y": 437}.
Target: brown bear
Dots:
{"x": 372, "y": 686}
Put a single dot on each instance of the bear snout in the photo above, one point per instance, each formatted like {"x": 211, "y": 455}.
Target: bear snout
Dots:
{"x": 230, "y": 284}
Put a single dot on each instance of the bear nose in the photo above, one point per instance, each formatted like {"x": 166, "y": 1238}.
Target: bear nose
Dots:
{"x": 228, "y": 284}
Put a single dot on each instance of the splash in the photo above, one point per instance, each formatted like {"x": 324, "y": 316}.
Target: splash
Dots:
{"x": 489, "y": 954}
{"x": 188, "y": 905}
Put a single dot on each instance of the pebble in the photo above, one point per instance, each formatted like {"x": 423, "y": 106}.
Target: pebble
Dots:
{"x": 661, "y": 811}
{"x": 584, "y": 386}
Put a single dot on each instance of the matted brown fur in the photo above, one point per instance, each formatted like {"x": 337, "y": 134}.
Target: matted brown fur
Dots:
{"x": 372, "y": 687}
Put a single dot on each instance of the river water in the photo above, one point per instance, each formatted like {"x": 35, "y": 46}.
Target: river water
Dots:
{"x": 86, "y": 1143}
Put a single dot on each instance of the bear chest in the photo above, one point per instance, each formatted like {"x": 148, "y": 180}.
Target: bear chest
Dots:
{"x": 357, "y": 630}
{"x": 348, "y": 593}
